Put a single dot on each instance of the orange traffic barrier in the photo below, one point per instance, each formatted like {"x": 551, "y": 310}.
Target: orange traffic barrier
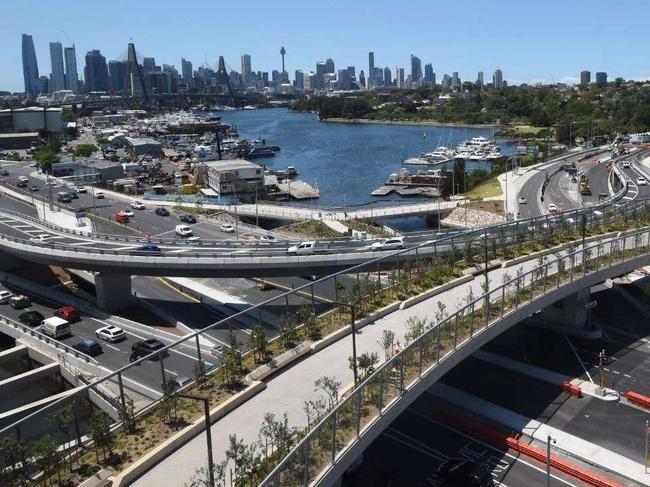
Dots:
{"x": 638, "y": 399}
{"x": 572, "y": 389}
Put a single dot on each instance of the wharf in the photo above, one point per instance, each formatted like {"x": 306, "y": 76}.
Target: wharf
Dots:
{"x": 298, "y": 190}
{"x": 406, "y": 190}
{"x": 384, "y": 190}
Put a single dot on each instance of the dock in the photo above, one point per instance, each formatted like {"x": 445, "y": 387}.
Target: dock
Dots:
{"x": 384, "y": 190}
{"x": 426, "y": 191}
{"x": 298, "y": 190}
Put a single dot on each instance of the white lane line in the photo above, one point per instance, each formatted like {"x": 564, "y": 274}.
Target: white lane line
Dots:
{"x": 126, "y": 248}
{"x": 175, "y": 374}
{"x": 111, "y": 346}
{"x": 579, "y": 359}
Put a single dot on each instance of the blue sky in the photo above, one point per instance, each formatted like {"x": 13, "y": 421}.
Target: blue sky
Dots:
{"x": 548, "y": 40}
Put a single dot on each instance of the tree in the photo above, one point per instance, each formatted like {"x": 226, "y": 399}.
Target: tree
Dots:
{"x": 46, "y": 454}
{"x": 45, "y": 157}
{"x": 201, "y": 477}
{"x": 199, "y": 373}
{"x": 242, "y": 455}
{"x": 231, "y": 363}
{"x": 259, "y": 344}
{"x": 288, "y": 332}
{"x": 330, "y": 387}
{"x": 311, "y": 325}
{"x": 275, "y": 433}
{"x": 365, "y": 364}
{"x": 126, "y": 413}
{"x": 13, "y": 460}
{"x": 85, "y": 150}
{"x": 100, "y": 432}
{"x": 415, "y": 327}
{"x": 387, "y": 343}
{"x": 62, "y": 420}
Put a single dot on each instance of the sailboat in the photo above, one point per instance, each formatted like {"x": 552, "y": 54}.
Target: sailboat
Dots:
{"x": 424, "y": 135}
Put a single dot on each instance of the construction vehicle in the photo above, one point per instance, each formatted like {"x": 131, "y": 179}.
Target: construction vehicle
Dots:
{"x": 584, "y": 185}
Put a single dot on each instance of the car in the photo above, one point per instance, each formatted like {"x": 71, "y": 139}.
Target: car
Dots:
{"x": 227, "y": 227}
{"x": 33, "y": 164}
{"x": 150, "y": 249}
{"x": 641, "y": 181}
{"x": 391, "y": 243}
{"x": 459, "y": 472}
{"x": 183, "y": 231}
{"x": 42, "y": 238}
{"x": 20, "y": 302}
{"x": 33, "y": 188}
{"x": 121, "y": 217}
{"x": 80, "y": 189}
{"x": 89, "y": 347}
{"x": 68, "y": 313}
{"x": 99, "y": 195}
{"x": 553, "y": 209}
{"x": 177, "y": 382}
{"x": 523, "y": 200}
{"x": 73, "y": 195}
{"x": 160, "y": 211}
{"x": 143, "y": 348}
{"x": 110, "y": 333}
{"x": 188, "y": 218}
{"x": 303, "y": 248}
{"x": 4, "y": 172}
{"x": 5, "y": 296}
{"x": 31, "y": 318}
{"x": 128, "y": 212}
{"x": 626, "y": 164}
{"x": 137, "y": 205}
{"x": 268, "y": 238}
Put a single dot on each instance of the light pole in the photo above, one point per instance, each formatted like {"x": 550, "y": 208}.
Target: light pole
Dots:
{"x": 570, "y": 130}
{"x": 645, "y": 456}
{"x": 549, "y": 439}
{"x": 601, "y": 369}
{"x": 206, "y": 407}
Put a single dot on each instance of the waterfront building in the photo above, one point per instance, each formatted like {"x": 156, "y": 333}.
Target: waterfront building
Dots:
{"x": 416, "y": 71}
{"x": 57, "y": 75}
{"x": 276, "y": 78}
{"x": 371, "y": 69}
{"x": 186, "y": 70}
{"x": 117, "y": 73}
{"x": 601, "y": 78}
{"x": 479, "y": 79}
{"x": 362, "y": 79}
{"x": 299, "y": 80}
{"x": 497, "y": 79}
{"x": 30, "y": 66}
{"x": 96, "y": 71}
{"x": 388, "y": 78}
{"x": 585, "y": 78}
{"x": 71, "y": 76}
{"x": 235, "y": 178}
{"x": 246, "y": 69}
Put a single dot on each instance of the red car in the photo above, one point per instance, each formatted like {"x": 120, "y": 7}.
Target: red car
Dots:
{"x": 121, "y": 217}
{"x": 68, "y": 313}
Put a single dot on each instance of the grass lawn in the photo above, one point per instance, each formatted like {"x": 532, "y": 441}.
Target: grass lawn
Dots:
{"x": 485, "y": 190}
{"x": 527, "y": 129}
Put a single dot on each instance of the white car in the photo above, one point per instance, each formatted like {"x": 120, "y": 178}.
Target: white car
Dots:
{"x": 641, "y": 181}
{"x": 183, "y": 231}
{"x": 626, "y": 163}
{"x": 268, "y": 238}
{"x": 99, "y": 195}
{"x": 303, "y": 248}
{"x": 42, "y": 238}
{"x": 5, "y": 296}
{"x": 110, "y": 334}
{"x": 552, "y": 208}
{"x": 128, "y": 212}
{"x": 227, "y": 228}
{"x": 523, "y": 200}
{"x": 80, "y": 189}
{"x": 137, "y": 205}
{"x": 392, "y": 243}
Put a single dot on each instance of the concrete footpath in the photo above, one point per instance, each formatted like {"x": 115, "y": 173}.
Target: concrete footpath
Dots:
{"x": 570, "y": 444}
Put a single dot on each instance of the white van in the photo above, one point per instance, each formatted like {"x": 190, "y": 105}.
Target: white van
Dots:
{"x": 56, "y": 327}
{"x": 183, "y": 230}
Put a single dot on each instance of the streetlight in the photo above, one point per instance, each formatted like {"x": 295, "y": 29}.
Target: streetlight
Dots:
{"x": 570, "y": 128}
{"x": 645, "y": 457}
{"x": 206, "y": 407}
{"x": 549, "y": 438}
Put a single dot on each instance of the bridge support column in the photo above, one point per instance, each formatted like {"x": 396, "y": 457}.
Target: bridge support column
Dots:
{"x": 9, "y": 262}
{"x": 571, "y": 315}
{"x": 113, "y": 291}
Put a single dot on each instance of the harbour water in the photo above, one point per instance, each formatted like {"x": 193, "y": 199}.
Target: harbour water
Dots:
{"x": 346, "y": 161}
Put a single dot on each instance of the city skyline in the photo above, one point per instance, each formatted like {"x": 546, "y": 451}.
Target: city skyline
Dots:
{"x": 517, "y": 50}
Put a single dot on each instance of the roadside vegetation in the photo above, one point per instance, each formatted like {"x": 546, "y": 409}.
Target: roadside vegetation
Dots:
{"x": 310, "y": 229}
{"x": 364, "y": 226}
{"x": 487, "y": 189}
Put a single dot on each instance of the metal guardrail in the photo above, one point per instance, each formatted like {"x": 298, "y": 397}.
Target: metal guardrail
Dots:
{"x": 326, "y": 443}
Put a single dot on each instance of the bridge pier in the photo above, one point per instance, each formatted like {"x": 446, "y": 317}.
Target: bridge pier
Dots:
{"x": 113, "y": 291}
{"x": 571, "y": 315}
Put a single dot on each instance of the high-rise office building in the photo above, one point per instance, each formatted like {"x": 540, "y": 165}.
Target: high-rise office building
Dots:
{"x": 117, "y": 73}
{"x": 329, "y": 65}
{"x": 601, "y": 78}
{"x": 399, "y": 76}
{"x": 353, "y": 72}
{"x": 378, "y": 77}
{"x": 71, "y": 76}
{"x": 446, "y": 81}
{"x": 428, "y": 74}
{"x": 362, "y": 79}
{"x": 479, "y": 79}
{"x": 416, "y": 70}
{"x": 246, "y": 69}
{"x": 148, "y": 64}
{"x": 30, "y": 66}
{"x": 344, "y": 79}
{"x": 96, "y": 71}
{"x": 320, "y": 75}
{"x": 57, "y": 75}
{"x": 299, "y": 80}
{"x": 585, "y": 78}
{"x": 371, "y": 69}
{"x": 186, "y": 70}
{"x": 455, "y": 80}
{"x": 388, "y": 78}
{"x": 497, "y": 79}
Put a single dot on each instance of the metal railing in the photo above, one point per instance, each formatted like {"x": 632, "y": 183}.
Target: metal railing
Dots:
{"x": 335, "y": 434}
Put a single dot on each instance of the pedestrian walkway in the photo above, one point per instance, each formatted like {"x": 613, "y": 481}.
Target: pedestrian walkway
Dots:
{"x": 572, "y": 445}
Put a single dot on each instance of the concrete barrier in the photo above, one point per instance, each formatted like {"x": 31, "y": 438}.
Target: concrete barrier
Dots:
{"x": 27, "y": 377}
{"x": 638, "y": 399}
{"x": 12, "y": 354}
{"x": 136, "y": 469}
{"x": 280, "y": 362}
{"x": 435, "y": 291}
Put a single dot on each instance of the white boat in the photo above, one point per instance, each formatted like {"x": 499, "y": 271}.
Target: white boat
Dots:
{"x": 249, "y": 107}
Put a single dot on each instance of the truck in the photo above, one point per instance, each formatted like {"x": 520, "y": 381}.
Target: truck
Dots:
{"x": 570, "y": 168}
{"x": 584, "y": 185}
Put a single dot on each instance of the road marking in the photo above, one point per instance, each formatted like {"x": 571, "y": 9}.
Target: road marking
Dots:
{"x": 175, "y": 374}
{"x": 112, "y": 346}
{"x": 579, "y": 359}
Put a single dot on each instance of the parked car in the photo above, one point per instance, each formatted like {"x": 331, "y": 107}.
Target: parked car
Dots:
{"x": 137, "y": 205}
{"x": 68, "y": 313}
{"x": 146, "y": 347}
{"x": 128, "y": 212}
{"x": 183, "y": 230}
{"x": 303, "y": 248}
{"x": 33, "y": 188}
{"x": 160, "y": 211}
{"x": 110, "y": 333}
{"x": 99, "y": 195}
{"x": 389, "y": 244}
{"x": 459, "y": 472}
{"x": 20, "y": 302}
{"x": 121, "y": 217}
{"x": 5, "y": 296}
{"x": 188, "y": 218}
{"x": 31, "y": 318}
{"x": 150, "y": 249}
{"x": 89, "y": 347}
{"x": 177, "y": 382}
{"x": 56, "y": 327}
{"x": 523, "y": 200}
{"x": 4, "y": 172}
{"x": 227, "y": 227}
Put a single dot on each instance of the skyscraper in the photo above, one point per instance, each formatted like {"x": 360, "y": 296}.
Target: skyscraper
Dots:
{"x": 117, "y": 72}
{"x": 320, "y": 75}
{"x": 428, "y": 75}
{"x": 71, "y": 76}
{"x": 388, "y": 78}
{"x": 57, "y": 76}
{"x": 416, "y": 70}
{"x": 601, "y": 78}
{"x": 148, "y": 64}
{"x": 455, "y": 80}
{"x": 329, "y": 65}
{"x": 479, "y": 79}
{"x": 186, "y": 70}
{"x": 371, "y": 69}
{"x": 299, "y": 81}
{"x": 30, "y": 66}
{"x": 362, "y": 78}
{"x": 497, "y": 79}
{"x": 96, "y": 71}
{"x": 585, "y": 78}
{"x": 399, "y": 75}
{"x": 246, "y": 69}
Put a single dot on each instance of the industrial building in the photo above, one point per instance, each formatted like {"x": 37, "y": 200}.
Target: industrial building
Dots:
{"x": 236, "y": 178}
{"x": 31, "y": 119}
